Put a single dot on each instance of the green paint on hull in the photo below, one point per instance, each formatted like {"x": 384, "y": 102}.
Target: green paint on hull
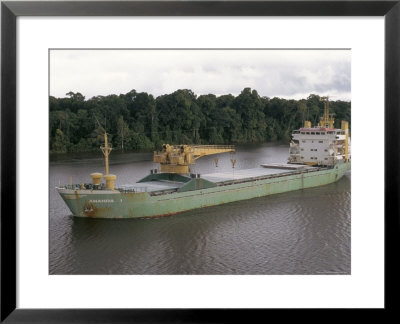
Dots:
{"x": 115, "y": 204}
{"x": 197, "y": 184}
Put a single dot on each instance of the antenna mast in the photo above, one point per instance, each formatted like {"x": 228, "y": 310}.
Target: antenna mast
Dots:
{"x": 106, "y": 149}
{"x": 327, "y": 120}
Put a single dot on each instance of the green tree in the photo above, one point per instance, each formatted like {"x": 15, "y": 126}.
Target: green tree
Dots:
{"x": 139, "y": 121}
{"x": 60, "y": 144}
{"x": 123, "y": 130}
{"x": 250, "y": 108}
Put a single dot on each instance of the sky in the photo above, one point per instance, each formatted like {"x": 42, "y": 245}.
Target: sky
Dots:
{"x": 291, "y": 74}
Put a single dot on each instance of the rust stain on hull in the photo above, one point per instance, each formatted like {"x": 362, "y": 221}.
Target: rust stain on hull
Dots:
{"x": 165, "y": 215}
{"x": 99, "y": 212}
{"x": 70, "y": 197}
{"x": 90, "y": 210}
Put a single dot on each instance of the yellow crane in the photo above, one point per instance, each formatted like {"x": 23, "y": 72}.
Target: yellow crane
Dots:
{"x": 177, "y": 158}
{"x": 327, "y": 120}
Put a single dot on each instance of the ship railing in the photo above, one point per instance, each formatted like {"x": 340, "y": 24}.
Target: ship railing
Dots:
{"x": 163, "y": 192}
{"x": 131, "y": 190}
{"x": 124, "y": 190}
{"x": 270, "y": 176}
{"x": 82, "y": 186}
{"x": 75, "y": 186}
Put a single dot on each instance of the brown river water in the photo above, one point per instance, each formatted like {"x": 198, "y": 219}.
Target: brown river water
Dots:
{"x": 299, "y": 232}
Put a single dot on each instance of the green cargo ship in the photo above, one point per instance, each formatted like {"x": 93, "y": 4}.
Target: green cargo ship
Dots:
{"x": 318, "y": 156}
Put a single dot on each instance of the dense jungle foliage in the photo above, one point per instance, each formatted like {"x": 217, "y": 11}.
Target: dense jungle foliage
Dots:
{"x": 137, "y": 120}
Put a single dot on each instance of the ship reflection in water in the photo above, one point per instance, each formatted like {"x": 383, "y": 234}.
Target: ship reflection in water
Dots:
{"x": 298, "y": 232}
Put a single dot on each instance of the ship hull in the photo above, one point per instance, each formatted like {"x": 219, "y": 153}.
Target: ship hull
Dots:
{"x": 116, "y": 204}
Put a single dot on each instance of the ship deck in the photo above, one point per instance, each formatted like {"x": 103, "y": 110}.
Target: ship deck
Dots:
{"x": 266, "y": 170}
{"x": 151, "y": 186}
{"x": 219, "y": 178}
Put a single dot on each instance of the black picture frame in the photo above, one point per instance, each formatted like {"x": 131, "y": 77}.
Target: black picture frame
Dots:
{"x": 11, "y": 10}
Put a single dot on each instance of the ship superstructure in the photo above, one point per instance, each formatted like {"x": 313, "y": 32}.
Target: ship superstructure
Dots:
{"x": 317, "y": 156}
{"x": 322, "y": 144}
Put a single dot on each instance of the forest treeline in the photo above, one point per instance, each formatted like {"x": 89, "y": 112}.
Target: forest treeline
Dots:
{"x": 138, "y": 120}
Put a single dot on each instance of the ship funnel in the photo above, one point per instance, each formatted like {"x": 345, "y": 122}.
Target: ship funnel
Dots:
{"x": 110, "y": 178}
{"x": 96, "y": 177}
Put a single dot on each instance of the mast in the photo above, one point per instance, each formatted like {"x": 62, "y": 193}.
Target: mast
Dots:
{"x": 327, "y": 119}
{"x": 106, "y": 149}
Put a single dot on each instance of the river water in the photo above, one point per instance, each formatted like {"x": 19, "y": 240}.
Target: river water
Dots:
{"x": 299, "y": 232}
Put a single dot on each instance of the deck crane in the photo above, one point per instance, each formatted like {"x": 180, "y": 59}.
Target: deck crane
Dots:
{"x": 178, "y": 158}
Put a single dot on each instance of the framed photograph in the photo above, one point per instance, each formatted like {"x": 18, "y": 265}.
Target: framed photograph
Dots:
{"x": 210, "y": 60}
